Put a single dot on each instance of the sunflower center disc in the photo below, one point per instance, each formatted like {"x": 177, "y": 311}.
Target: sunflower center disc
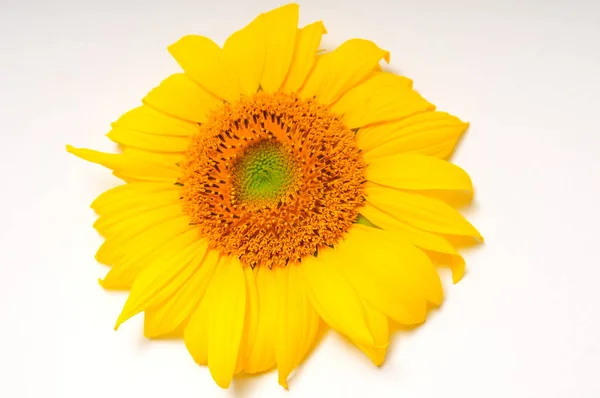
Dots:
{"x": 272, "y": 178}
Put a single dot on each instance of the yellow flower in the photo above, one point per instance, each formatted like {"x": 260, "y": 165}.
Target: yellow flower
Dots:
{"x": 270, "y": 187}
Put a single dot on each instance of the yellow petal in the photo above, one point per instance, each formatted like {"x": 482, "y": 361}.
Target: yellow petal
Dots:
{"x": 127, "y": 192}
{"x": 298, "y": 322}
{"x": 148, "y": 120}
{"x": 337, "y": 72}
{"x": 169, "y": 316}
{"x": 421, "y": 211}
{"x": 428, "y": 133}
{"x": 129, "y": 263}
{"x": 245, "y": 49}
{"x": 332, "y": 296}
{"x": 434, "y": 244}
{"x": 148, "y": 142}
{"x": 406, "y": 232}
{"x": 207, "y": 65}
{"x": 457, "y": 265}
{"x": 165, "y": 274}
{"x": 419, "y": 172}
{"x": 195, "y": 334}
{"x": 166, "y": 158}
{"x": 111, "y": 225}
{"x": 281, "y": 25}
{"x": 393, "y": 276}
{"x": 178, "y": 96}
{"x": 262, "y": 353}
{"x": 148, "y": 168}
{"x": 305, "y": 54}
{"x": 455, "y": 262}
{"x": 250, "y": 319}
{"x": 137, "y": 203}
{"x": 378, "y": 325}
{"x": 126, "y": 177}
{"x": 138, "y": 233}
{"x": 116, "y": 221}
{"x": 382, "y": 98}
{"x": 114, "y": 225}
{"x": 226, "y": 320}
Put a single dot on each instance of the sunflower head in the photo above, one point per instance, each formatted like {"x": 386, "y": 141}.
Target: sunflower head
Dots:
{"x": 271, "y": 188}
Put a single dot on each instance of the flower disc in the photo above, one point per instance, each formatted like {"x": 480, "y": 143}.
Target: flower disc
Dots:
{"x": 273, "y": 178}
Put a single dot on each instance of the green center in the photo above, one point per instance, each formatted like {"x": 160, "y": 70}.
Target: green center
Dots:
{"x": 264, "y": 172}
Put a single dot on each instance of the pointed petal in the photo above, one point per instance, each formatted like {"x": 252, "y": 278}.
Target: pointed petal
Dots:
{"x": 148, "y": 142}
{"x": 207, "y": 65}
{"x": 178, "y": 308}
{"x": 250, "y": 319}
{"x": 137, "y": 203}
{"x": 298, "y": 322}
{"x": 378, "y": 325}
{"x": 332, "y": 296}
{"x": 337, "y": 72}
{"x": 305, "y": 55}
{"x": 127, "y": 263}
{"x": 405, "y": 232}
{"x": 128, "y": 191}
{"x": 281, "y": 25}
{"x": 226, "y": 320}
{"x": 148, "y": 168}
{"x": 262, "y": 353}
{"x": 150, "y": 121}
{"x": 382, "y": 98}
{"x": 141, "y": 212}
{"x": 178, "y": 96}
{"x": 421, "y": 211}
{"x": 141, "y": 233}
{"x": 428, "y": 133}
{"x": 245, "y": 49}
{"x": 435, "y": 245}
{"x": 195, "y": 334}
{"x": 457, "y": 265}
{"x": 394, "y": 277}
{"x": 166, "y": 273}
{"x": 419, "y": 172}
{"x": 455, "y": 262}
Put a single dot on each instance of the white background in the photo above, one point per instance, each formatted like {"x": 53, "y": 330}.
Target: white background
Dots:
{"x": 523, "y": 323}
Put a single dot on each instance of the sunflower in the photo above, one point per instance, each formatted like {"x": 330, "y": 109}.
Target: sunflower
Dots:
{"x": 272, "y": 189}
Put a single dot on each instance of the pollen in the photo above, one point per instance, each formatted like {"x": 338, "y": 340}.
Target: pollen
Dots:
{"x": 273, "y": 178}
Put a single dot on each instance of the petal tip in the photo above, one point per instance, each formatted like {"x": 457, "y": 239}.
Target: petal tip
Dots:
{"x": 323, "y": 28}
{"x": 479, "y": 237}
{"x": 175, "y": 44}
{"x": 224, "y": 383}
{"x": 294, "y": 7}
{"x": 122, "y": 318}
{"x": 379, "y": 360}
{"x": 386, "y": 56}
{"x": 71, "y": 149}
{"x": 283, "y": 382}
{"x": 457, "y": 275}
{"x": 458, "y": 270}
{"x": 437, "y": 301}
